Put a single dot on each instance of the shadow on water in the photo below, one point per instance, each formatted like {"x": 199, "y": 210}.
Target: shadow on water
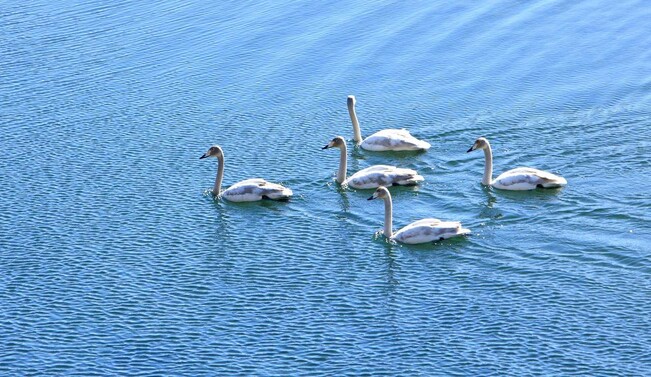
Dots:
{"x": 344, "y": 202}
{"x": 390, "y": 249}
{"x": 500, "y": 204}
{"x": 489, "y": 210}
{"x": 391, "y": 252}
{"x": 217, "y": 225}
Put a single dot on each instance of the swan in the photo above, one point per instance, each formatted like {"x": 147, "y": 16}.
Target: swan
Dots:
{"x": 385, "y": 140}
{"x": 249, "y": 190}
{"x": 421, "y": 231}
{"x": 373, "y": 176}
{"x": 521, "y": 178}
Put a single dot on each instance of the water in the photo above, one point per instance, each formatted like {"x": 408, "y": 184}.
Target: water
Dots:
{"x": 117, "y": 261}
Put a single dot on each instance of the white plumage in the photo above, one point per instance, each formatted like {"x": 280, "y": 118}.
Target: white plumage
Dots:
{"x": 521, "y": 178}
{"x": 385, "y": 140}
{"x": 527, "y": 179}
{"x": 255, "y": 189}
{"x": 248, "y": 190}
{"x": 373, "y": 176}
{"x": 421, "y": 231}
{"x": 393, "y": 140}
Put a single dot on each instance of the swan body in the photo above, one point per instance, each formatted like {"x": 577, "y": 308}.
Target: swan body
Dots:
{"x": 383, "y": 175}
{"x": 393, "y": 140}
{"x": 517, "y": 179}
{"x": 421, "y": 231}
{"x": 248, "y": 190}
{"x": 527, "y": 179}
{"x": 428, "y": 230}
{"x": 373, "y": 176}
{"x": 385, "y": 140}
{"x": 255, "y": 189}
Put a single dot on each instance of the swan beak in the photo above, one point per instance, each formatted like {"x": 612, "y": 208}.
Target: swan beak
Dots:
{"x": 326, "y": 147}
{"x": 371, "y": 198}
{"x": 204, "y": 156}
{"x": 471, "y": 149}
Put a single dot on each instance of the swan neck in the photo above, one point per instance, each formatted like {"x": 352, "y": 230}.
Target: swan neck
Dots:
{"x": 488, "y": 167}
{"x": 388, "y": 217}
{"x": 357, "y": 133}
{"x": 343, "y": 161}
{"x": 220, "y": 175}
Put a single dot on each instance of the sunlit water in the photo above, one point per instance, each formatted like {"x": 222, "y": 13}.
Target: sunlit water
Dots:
{"x": 115, "y": 259}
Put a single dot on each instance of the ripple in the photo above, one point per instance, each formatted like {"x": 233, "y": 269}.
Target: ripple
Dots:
{"x": 117, "y": 261}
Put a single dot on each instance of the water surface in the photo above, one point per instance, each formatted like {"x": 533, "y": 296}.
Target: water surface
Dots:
{"x": 117, "y": 261}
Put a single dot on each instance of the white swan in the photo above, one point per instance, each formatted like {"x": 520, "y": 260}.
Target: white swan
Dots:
{"x": 421, "y": 231}
{"x": 249, "y": 190}
{"x": 373, "y": 176}
{"x": 515, "y": 179}
{"x": 385, "y": 140}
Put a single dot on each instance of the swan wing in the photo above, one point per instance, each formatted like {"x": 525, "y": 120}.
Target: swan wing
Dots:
{"x": 377, "y": 168}
{"x": 393, "y": 140}
{"x": 389, "y": 132}
{"x": 255, "y": 189}
{"x": 250, "y": 181}
{"x": 428, "y": 222}
{"x": 405, "y": 177}
{"x": 524, "y": 178}
{"x": 276, "y": 191}
{"x": 383, "y": 175}
{"x": 428, "y": 230}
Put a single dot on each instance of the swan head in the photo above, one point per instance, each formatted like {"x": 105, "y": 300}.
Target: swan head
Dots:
{"x": 481, "y": 143}
{"x": 351, "y": 101}
{"x": 381, "y": 192}
{"x": 337, "y": 142}
{"x": 214, "y": 151}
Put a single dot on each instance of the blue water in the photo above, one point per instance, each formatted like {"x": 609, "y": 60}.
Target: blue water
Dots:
{"x": 115, "y": 259}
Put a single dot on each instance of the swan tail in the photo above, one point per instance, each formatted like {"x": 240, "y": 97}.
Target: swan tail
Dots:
{"x": 554, "y": 183}
{"x": 409, "y": 180}
{"x": 280, "y": 194}
{"x": 458, "y": 231}
{"x": 456, "y": 228}
{"x": 463, "y": 230}
{"x": 421, "y": 144}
